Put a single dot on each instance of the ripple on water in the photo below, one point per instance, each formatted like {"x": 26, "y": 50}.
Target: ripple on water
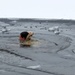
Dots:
{"x": 41, "y": 42}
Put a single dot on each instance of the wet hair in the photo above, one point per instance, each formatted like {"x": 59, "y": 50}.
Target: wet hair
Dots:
{"x": 24, "y": 34}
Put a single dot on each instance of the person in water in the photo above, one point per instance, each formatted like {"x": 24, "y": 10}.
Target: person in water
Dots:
{"x": 25, "y": 38}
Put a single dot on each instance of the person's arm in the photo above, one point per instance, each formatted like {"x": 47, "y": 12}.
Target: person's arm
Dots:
{"x": 29, "y": 35}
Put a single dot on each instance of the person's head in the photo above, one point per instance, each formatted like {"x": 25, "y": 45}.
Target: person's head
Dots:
{"x": 24, "y": 34}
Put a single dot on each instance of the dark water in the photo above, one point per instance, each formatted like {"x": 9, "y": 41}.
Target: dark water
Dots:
{"x": 50, "y": 54}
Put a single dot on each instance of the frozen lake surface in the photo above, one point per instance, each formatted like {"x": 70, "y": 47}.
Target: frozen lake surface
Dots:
{"x": 51, "y": 54}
